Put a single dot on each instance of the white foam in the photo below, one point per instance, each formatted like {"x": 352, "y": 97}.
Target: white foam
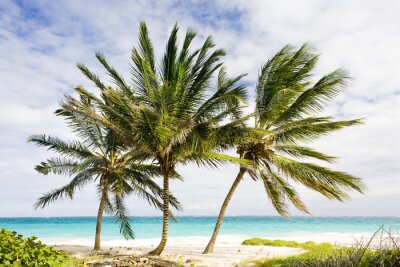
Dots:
{"x": 148, "y": 242}
{"x": 225, "y": 240}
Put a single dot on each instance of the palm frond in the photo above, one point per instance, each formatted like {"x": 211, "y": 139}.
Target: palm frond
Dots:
{"x": 288, "y": 190}
{"x": 73, "y": 149}
{"x": 89, "y": 132}
{"x": 281, "y": 80}
{"x": 228, "y": 96}
{"x": 116, "y": 77}
{"x": 298, "y": 131}
{"x": 321, "y": 179}
{"x": 150, "y": 190}
{"x": 91, "y": 76}
{"x": 215, "y": 159}
{"x": 274, "y": 194}
{"x": 313, "y": 100}
{"x": 121, "y": 216}
{"x": 57, "y": 166}
{"x": 303, "y": 152}
{"x": 146, "y": 47}
{"x": 80, "y": 180}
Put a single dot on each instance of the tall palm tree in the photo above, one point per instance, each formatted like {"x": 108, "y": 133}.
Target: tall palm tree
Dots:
{"x": 169, "y": 114}
{"x": 98, "y": 158}
{"x": 286, "y": 103}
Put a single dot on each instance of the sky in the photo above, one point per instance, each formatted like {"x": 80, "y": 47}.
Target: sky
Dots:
{"x": 41, "y": 42}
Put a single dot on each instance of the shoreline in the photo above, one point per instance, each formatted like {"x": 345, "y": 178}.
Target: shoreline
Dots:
{"x": 235, "y": 239}
{"x": 229, "y": 250}
{"x": 224, "y": 255}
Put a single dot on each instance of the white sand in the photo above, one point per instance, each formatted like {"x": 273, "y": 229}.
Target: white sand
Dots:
{"x": 223, "y": 255}
{"x": 228, "y": 250}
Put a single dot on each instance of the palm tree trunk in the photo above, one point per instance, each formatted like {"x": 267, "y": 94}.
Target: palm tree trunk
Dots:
{"x": 164, "y": 236}
{"x": 211, "y": 243}
{"x": 100, "y": 218}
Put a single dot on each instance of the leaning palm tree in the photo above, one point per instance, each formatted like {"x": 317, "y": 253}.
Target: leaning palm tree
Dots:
{"x": 98, "y": 158}
{"x": 169, "y": 114}
{"x": 286, "y": 103}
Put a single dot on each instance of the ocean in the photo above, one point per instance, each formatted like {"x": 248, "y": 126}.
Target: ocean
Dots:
{"x": 80, "y": 230}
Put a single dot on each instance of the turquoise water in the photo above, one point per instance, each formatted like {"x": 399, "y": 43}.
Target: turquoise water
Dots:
{"x": 150, "y": 227}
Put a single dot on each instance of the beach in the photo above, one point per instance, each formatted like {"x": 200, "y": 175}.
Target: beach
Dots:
{"x": 189, "y": 236}
{"x": 228, "y": 251}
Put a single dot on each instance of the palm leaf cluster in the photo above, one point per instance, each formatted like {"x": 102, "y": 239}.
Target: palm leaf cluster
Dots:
{"x": 167, "y": 113}
{"x": 98, "y": 157}
{"x": 286, "y": 120}
{"x": 287, "y": 104}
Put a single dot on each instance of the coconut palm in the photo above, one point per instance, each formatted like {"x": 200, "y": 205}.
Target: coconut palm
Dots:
{"x": 98, "y": 157}
{"x": 169, "y": 114}
{"x": 287, "y": 101}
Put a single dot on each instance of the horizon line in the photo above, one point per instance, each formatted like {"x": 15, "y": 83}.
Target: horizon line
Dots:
{"x": 266, "y": 216}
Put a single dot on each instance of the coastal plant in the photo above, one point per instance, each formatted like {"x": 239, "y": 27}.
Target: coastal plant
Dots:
{"x": 17, "y": 250}
{"x": 169, "y": 114}
{"x": 380, "y": 250}
{"x": 287, "y": 104}
{"x": 98, "y": 157}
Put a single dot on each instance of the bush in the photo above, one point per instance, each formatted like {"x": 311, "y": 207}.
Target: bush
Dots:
{"x": 15, "y": 250}
{"x": 381, "y": 250}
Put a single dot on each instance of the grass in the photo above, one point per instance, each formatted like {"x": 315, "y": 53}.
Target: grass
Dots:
{"x": 285, "y": 243}
{"x": 312, "y": 250}
{"x": 73, "y": 262}
{"x": 381, "y": 250}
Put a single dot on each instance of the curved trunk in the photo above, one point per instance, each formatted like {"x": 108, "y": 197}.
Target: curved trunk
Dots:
{"x": 164, "y": 236}
{"x": 211, "y": 243}
{"x": 100, "y": 217}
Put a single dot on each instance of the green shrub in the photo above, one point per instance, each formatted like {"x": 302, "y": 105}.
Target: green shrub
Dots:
{"x": 16, "y": 250}
{"x": 311, "y": 250}
{"x": 256, "y": 241}
{"x": 382, "y": 250}
{"x": 359, "y": 255}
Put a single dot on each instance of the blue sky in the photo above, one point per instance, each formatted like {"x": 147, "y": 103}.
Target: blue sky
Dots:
{"x": 41, "y": 42}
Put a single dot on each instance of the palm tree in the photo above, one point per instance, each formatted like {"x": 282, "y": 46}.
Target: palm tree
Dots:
{"x": 286, "y": 103}
{"x": 98, "y": 158}
{"x": 169, "y": 114}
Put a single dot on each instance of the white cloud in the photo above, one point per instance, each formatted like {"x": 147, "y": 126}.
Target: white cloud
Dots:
{"x": 40, "y": 44}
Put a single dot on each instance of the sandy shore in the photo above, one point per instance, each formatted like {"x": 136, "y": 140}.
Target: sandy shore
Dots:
{"x": 188, "y": 250}
{"x": 189, "y": 255}
{"x": 228, "y": 251}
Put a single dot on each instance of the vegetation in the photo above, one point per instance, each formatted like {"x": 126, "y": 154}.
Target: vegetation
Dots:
{"x": 169, "y": 115}
{"x": 16, "y": 250}
{"x": 173, "y": 112}
{"x": 287, "y": 104}
{"x": 256, "y": 241}
{"x": 98, "y": 157}
{"x": 381, "y": 250}
{"x": 312, "y": 250}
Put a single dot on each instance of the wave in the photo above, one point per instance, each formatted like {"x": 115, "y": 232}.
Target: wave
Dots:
{"x": 234, "y": 240}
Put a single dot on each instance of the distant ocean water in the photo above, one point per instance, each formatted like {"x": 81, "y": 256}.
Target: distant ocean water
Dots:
{"x": 82, "y": 228}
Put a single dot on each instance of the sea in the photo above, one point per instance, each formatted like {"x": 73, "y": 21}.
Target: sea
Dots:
{"x": 80, "y": 230}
